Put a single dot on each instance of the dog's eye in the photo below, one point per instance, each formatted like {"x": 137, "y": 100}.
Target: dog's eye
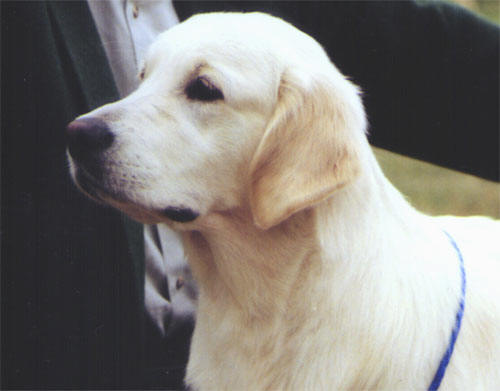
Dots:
{"x": 202, "y": 89}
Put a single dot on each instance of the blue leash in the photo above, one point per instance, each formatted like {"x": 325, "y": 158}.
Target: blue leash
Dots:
{"x": 438, "y": 377}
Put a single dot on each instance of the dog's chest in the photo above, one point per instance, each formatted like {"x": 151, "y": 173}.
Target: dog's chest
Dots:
{"x": 271, "y": 355}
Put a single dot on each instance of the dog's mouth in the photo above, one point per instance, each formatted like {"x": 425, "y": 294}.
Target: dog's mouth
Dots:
{"x": 90, "y": 185}
{"x": 180, "y": 214}
{"x": 94, "y": 189}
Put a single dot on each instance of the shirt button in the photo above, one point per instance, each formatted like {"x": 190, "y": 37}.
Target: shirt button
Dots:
{"x": 135, "y": 10}
{"x": 179, "y": 283}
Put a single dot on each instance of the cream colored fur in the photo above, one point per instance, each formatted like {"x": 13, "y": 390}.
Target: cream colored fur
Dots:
{"x": 314, "y": 273}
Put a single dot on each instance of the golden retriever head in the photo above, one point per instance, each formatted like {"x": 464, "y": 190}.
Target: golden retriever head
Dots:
{"x": 233, "y": 111}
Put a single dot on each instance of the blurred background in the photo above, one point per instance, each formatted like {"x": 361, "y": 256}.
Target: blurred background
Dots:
{"x": 435, "y": 190}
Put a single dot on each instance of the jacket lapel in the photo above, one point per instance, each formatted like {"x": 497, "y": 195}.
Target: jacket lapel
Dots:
{"x": 79, "y": 37}
{"x": 81, "y": 40}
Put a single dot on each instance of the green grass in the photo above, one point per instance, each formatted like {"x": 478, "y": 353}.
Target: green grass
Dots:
{"x": 436, "y": 191}
{"x": 489, "y": 9}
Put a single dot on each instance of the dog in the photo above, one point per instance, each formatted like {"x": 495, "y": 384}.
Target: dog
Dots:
{"x": 314, "y": 272}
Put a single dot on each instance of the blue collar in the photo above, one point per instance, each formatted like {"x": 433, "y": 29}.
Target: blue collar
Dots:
{"x": 438, "y": 377}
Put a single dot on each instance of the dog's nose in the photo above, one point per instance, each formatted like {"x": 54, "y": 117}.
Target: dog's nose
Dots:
{"x": 87, "y": 137}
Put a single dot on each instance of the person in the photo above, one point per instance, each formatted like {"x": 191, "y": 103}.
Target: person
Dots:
{"x": 75, "y": 285}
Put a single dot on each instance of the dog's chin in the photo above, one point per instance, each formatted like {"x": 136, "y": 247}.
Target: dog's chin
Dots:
{"x": 174, "y": 216}
{"x": 93, "y": 189}
{"x": 137, "y": 212}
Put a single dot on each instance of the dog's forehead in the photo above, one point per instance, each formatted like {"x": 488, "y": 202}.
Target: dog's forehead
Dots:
{"x": 241, "y": 27}
{"x": 228, "y": 37}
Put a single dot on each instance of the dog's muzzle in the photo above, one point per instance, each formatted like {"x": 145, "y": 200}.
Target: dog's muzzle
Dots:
{"x": 89, "y": 138}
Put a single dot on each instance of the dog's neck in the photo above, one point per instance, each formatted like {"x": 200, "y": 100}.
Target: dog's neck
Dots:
{"x": 258, "y": 272}
{"x": 237, "y": 264}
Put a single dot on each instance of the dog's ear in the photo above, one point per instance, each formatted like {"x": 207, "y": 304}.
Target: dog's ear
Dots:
{"x": 308, "y": 149}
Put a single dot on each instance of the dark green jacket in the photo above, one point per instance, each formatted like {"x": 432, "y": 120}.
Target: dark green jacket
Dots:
{"x": 72, "y": 272}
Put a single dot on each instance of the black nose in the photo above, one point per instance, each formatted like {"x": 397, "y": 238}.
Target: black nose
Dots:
{"x": 87, "y": 137}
